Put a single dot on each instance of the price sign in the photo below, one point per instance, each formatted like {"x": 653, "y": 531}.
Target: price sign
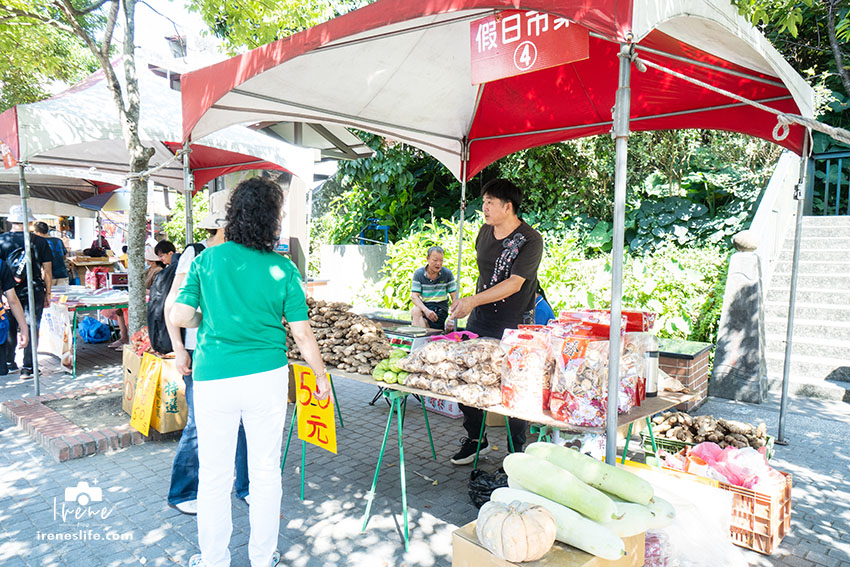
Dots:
{"x": 515, "y": 42}
{"x": 147, "y": 384}
{"x": 316, "y": 423}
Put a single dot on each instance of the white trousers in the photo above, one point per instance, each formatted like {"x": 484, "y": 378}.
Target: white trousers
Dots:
{"x": 259, "y": 400}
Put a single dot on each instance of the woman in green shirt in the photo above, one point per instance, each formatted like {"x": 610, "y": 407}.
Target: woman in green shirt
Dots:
{"x": 243, "y": 290}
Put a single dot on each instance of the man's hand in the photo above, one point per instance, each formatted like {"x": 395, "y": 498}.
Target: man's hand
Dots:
{"x": 323, "y": 386}
{"x": 431, "y": 316}
{"x": 47, "y": 301}
{"x": 462, "y": 307}
{"x": 183, "y": 361}
{"x": 23, "y": 337}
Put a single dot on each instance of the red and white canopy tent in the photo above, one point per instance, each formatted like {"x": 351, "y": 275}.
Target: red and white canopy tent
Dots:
{"x": 403, "y": 69}
{"x": 77, "y": 136}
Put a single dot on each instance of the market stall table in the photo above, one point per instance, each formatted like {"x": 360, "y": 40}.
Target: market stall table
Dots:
{"x": 78, "y": 299}
{"x": 397, "y": 394}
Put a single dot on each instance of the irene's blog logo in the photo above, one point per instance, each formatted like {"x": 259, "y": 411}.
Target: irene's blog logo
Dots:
{"x": 81, "y": 502}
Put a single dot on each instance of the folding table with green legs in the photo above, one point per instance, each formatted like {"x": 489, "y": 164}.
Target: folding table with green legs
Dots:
{"x": 398, "y": 406}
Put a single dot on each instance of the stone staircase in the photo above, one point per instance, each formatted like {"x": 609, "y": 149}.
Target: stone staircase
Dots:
{"x": 820, "y": 359}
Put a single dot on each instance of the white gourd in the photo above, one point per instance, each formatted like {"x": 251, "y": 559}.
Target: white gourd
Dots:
{"x": 515, "y": 532}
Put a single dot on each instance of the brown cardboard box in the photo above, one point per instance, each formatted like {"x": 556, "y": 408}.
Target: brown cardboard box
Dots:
{"x": 467, "y": 552}
{"x": 170, "y": 410}
{"x": 494, "y": 419}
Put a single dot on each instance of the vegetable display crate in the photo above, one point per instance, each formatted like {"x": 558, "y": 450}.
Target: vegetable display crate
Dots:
{"x": 759, "y": 520}
{"x": 673, "y": 446}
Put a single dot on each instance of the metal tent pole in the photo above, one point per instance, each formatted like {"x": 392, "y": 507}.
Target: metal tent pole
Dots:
{"x": 33, "y": 324}
{"x": 464, "y": 156}
{"x": 188, "y": 188}
{"x": 621, "y": 135}
{"x": 800, "y": 196}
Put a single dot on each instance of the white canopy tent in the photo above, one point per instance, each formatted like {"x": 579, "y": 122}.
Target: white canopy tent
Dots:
{"x": 403, "y": 69}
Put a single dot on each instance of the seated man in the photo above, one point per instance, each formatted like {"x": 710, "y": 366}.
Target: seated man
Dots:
{"x": 430, "y": 292}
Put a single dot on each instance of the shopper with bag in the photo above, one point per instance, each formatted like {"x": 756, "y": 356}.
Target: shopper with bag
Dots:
{"x": 183, "y": 490}
{"x": 241, "y": 368}
{"x": 41, "y": 258}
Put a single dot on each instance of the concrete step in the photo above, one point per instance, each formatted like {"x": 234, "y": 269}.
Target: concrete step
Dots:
{"x": 810, "y": 367}
{"x": 818, "y": 311}
{"x": 832, "y": 220}
{"x": 816, "y": 280}
{"x": 816, "y": 266}
{"x": 819, "y": 243}
{"x": 808, "y": 346}
{"x": 809, "y": 295}
{"x": 815, "y": 254}
{"x": 825, "y": 390}
{"x": 809, "y": 328}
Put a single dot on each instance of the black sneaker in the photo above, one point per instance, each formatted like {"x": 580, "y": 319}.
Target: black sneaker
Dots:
{"x": 26, "y": 373}
{"x": 13, "y": 367}
{"x": 466, "y": 455}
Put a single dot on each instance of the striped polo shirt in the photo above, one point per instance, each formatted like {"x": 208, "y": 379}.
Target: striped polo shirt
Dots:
{"x": 434, "y": 292}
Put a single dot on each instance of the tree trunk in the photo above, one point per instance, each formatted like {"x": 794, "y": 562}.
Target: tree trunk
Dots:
{"x": 140, "y": 157}
{"x": 843, "y": 73}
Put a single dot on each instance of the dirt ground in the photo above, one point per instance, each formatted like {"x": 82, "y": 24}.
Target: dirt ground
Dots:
{"x": 92, "y": 411}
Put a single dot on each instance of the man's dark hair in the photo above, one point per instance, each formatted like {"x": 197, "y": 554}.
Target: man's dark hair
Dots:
{"x": 433, "y": 249}
{"x": 505, "y": 191}
{"x": 124, "y": 249}
{"x": 253, "y": 214}
{"x": 41, "y": 227}
{"x": 163, "y": 247}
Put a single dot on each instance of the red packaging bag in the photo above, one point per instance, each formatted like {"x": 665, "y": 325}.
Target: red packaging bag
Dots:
{"x": 637, "y": 321}
{"x": 526, "y": 370}
{"x": 592, "y": 324}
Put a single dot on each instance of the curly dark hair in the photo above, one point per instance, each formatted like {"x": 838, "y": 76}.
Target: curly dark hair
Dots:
{"x": 253, "y": 214}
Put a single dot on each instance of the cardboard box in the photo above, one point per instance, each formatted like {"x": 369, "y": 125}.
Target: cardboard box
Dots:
{"x": 442, "y": 407}
{"x": 494, "y": 420}
{"x": 170, "y": 409}
{"x": 468, "y": 552}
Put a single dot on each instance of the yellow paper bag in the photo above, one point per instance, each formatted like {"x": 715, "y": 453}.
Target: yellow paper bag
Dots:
{"x": 146, "y": 385}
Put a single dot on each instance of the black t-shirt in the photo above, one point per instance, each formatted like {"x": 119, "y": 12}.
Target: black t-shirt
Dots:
{"x": 517, "y": 254}
{"x": 41, "y": 252}
{"x": 7, "y": 281}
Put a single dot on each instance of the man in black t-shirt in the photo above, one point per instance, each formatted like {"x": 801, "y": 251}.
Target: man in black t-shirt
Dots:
{"x": 11, "y": 245}
{"x": 508, "y": 252}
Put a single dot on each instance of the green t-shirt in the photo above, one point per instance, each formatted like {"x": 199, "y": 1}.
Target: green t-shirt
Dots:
{"x": 243, "y": 294}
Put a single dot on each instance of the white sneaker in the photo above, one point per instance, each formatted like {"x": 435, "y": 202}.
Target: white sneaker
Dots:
{"x": 189, "y": 507}
{"x": 196, "y": 561}
{"x": 275, "y": 558}
{"x": 248, "y": 499}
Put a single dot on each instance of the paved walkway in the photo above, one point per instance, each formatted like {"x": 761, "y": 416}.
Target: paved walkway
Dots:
{"x": 324, "y": 529}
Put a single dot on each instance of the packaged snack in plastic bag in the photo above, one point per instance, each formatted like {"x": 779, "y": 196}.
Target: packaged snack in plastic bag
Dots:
{"x": 580, "y": 381}
{"x": 526, "y": 370}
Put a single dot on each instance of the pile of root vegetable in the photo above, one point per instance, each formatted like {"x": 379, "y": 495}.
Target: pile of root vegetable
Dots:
{"x": 726, "y": 433}
{"x": 347, "y": 341}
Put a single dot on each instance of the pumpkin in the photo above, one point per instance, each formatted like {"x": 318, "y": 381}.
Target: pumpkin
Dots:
{"x": 515, "y": 532}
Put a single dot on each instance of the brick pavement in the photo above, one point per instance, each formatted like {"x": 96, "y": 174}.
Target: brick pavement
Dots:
{"x": 325, "y": 528}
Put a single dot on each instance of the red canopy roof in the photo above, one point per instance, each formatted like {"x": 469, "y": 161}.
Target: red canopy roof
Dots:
{"x": 401, "y": 69}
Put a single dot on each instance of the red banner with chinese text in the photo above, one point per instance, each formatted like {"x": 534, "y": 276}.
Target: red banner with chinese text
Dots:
{"x": 515, "y": 42}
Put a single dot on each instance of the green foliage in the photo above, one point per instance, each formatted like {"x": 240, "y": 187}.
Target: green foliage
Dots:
{"x": 398, "y": 186}
{"x": 175, "y": 228}
{"x": 251, "y": 23}
{"x": 35, "y": 54}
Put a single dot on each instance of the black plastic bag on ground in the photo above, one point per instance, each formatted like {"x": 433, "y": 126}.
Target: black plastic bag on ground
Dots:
{"x": 482, "y": 484}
